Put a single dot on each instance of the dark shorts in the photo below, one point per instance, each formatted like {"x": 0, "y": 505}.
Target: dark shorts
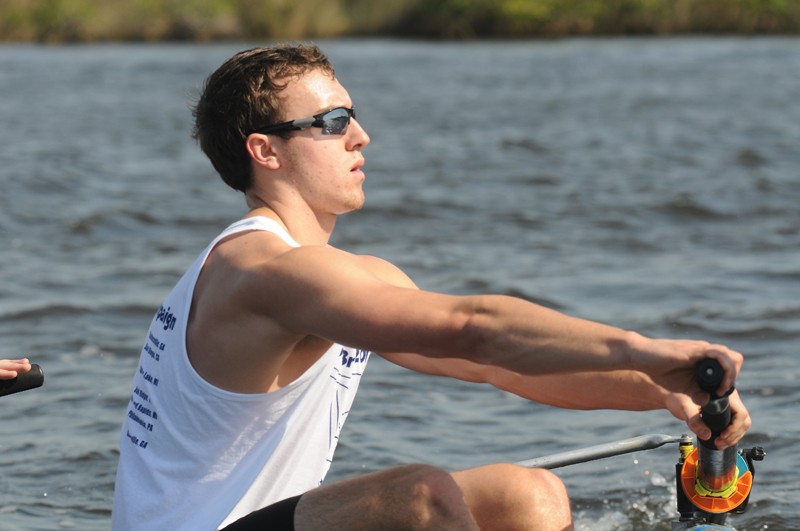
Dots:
{"x": 276, "y": 517}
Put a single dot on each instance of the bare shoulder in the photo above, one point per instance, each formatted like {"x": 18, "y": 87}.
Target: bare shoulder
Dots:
{"x": 386, "y": 271}
{"x": 297, "y": 292}
{"x": 318, "y": 264}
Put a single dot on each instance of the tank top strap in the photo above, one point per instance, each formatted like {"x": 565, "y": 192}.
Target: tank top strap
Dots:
{"x": 258, "y": 223}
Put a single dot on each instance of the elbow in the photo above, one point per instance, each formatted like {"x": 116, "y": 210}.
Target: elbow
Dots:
{"x": 475, "y": 339}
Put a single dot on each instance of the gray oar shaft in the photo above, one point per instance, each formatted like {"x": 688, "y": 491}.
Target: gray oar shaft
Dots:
{"x": 601, "y": 451}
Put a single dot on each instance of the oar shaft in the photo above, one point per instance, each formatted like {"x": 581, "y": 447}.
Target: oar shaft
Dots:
{"x": 601, "y": 451}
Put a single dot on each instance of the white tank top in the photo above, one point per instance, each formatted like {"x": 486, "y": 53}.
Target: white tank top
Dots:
{"x": 194, "y": 456}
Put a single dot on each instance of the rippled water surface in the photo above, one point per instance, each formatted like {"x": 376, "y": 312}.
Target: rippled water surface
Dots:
{"x": 651, "y": 184}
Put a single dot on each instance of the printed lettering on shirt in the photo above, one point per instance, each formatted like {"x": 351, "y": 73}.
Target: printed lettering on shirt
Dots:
{"x": 135, "y": 440}
{"x": 147, "y": 377}
{"x": 142, "y": 416}
{"x": 345, "y": 375}
{"x": 166, "y": 317}
{"x": 153, "y": 347}
{"x": 141, "y": 412}
{"x": 348, "y": 359}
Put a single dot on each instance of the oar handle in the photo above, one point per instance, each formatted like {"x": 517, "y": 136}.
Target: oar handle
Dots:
{"x": 716, "y": 414}
{"x": 30, "y": 380}
{"x": 709, "y": 375}
{"x": 716, "y": 469}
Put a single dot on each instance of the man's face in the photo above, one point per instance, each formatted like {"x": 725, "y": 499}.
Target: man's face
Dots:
{"x": 324, "y": 169}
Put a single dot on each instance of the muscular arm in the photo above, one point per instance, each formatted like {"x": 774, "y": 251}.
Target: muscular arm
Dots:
{"x": 628, "y": 390}
{"x": 622, "y": 390}
{"x": 331, "y": 294}
{"x": 512, "y": 344}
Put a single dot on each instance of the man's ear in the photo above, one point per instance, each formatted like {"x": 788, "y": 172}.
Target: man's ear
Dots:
{"x": 261, "y": 152}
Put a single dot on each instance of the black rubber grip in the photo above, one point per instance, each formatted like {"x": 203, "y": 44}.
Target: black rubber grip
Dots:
{"x": 30, "y": 380}
{"x": 716, "y": 414}
{"x": 709, "y": 375}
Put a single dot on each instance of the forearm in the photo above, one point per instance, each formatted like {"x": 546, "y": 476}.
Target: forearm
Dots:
{"x": 624, "y": 390}
{"x": 530, "y": 339}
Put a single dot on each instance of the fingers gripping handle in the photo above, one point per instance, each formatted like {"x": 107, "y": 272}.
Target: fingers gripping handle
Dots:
{"x": 30, "y": 380}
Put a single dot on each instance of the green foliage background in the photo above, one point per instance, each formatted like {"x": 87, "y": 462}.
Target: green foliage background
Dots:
{"x": 205, "y": 20}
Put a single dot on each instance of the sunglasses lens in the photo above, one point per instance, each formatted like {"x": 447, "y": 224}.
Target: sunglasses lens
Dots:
{"x": 335, "y": 122}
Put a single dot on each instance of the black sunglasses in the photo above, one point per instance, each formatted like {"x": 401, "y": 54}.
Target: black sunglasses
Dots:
{"x": 333, "y": 122}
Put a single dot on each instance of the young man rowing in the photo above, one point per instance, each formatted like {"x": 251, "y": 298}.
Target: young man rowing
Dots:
{"x": 252, "y": 362}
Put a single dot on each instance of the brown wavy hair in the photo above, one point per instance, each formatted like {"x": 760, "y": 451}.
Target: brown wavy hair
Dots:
{"x": 241, "y": 96}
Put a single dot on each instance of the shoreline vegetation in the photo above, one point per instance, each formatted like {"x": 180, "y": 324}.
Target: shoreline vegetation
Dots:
{"x": 75, "y": 21}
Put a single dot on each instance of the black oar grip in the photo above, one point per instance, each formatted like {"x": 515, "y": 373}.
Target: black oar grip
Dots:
{"x": 709, "y": 375}
{"x": 716, "y": 469}
{"x": 30, "y": 380}
{"x": 716, "y": 414}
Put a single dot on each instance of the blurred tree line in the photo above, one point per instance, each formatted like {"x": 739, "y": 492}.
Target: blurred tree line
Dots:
{"x": 206, "y": 20}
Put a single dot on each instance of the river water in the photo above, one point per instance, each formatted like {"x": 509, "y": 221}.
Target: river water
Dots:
{"x": 650, "y": 184}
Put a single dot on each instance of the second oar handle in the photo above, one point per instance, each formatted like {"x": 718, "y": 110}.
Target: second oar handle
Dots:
{"x": 30, "y": 380}
{"x": 716, "y": 414}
